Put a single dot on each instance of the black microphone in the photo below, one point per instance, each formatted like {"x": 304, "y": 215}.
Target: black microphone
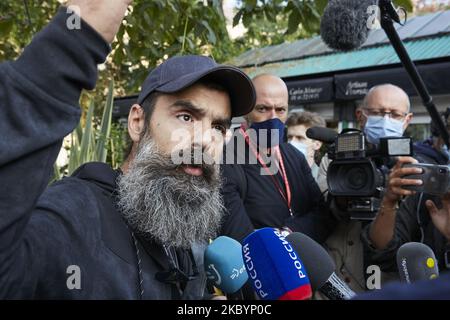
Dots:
{"x": 344, "y": 24}
{"x": 416, "y": 261}
{"x": 325, "y": 135}
{"x": 320, "y": 267}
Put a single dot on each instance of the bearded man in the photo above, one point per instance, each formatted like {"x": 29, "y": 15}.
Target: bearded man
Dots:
{"x": 134, "y": 233}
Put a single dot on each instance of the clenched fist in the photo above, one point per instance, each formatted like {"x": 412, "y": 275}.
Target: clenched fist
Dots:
{"x": 105, "y": 16}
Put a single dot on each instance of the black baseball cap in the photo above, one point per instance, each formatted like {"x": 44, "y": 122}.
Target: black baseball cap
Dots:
{"x": 178, "y": 73}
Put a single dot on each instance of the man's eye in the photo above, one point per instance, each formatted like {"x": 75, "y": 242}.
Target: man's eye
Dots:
{"x": 281, "y": 110}
{"x": 185, "y": 117}
{"x": 221, "y": 129}
{"x": 262, "y": 109}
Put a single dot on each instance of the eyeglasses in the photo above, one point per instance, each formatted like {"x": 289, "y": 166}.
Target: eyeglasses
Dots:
{"x": 381, "y": 113}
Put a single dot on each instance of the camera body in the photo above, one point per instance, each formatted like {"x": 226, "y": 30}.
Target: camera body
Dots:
{"x": 356, "y": 177}
{"x": 436, "y": 178}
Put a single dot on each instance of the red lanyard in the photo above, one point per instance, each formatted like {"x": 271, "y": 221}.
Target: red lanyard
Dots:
{"x": 276, "y": 150}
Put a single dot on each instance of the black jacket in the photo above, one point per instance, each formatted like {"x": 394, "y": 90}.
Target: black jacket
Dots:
{"x": 254, "y": 200}
{"x": 47, "y": 234}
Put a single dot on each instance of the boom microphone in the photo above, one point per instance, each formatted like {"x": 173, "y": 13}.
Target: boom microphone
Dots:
{"x": 344, "y": 24}
{"x": 325, "y": 135}
{"x": 416, "y": 261}
{"x": 320, "y": 267}
{"x": 274, "y": 267}
{"x": 224, "y": 264}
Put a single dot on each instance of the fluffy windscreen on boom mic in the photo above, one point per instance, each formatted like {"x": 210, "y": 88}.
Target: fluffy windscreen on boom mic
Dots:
{"x": 416, "y": 261}
{"x": 344, "y": 24}
{"x": 224, "y": 265}
{"x": 274, "y": 267}
{"x": 320, "y": 267}
{"x": 325, "y": 135}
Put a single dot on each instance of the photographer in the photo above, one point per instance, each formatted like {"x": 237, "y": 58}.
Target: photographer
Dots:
{"x": 384, "y": 112}
{"x": 420, "y": 217}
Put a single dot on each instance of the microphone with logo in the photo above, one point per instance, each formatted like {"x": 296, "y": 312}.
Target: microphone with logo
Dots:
{"x": 320, "y": 266}
{"x": 224, "y": 265}
{"x": 274, "y": 268}
{"x": 416, "y": 261}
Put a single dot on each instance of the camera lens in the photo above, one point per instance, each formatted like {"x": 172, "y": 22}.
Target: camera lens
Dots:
{"x": 357, "y": 178}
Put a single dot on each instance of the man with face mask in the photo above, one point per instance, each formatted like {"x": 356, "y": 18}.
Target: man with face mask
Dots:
{"x": 385, "y": 111}
{"x": 135, "y": 233}
{"x": 420, "y": 217}
{"x": 270, "y": 183}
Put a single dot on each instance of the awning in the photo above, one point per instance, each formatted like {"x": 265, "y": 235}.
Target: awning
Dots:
{"x": 355, "y": 85}
{"x": 311, "y": 91}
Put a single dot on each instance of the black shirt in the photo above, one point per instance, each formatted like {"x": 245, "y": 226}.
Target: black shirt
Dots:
{"x": 253, "y": 200}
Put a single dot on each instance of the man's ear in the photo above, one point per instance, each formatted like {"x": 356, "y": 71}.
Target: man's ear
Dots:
{"x": 136, "y": 122}
{"x": 408, "y": 119}
{"x": 360, "y": 117}
{"x": 316, "y": 145}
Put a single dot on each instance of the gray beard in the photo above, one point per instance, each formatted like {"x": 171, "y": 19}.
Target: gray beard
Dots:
{"x": 161, "y": 202}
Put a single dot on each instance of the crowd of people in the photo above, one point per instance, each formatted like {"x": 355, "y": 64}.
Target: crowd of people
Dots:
{"x": 139, "y": 232}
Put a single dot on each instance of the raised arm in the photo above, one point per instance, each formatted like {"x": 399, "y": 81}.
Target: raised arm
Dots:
{"x": 39, "y": 96}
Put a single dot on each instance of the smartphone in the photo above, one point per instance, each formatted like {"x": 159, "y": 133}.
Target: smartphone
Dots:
{"x": 436, "y": 178}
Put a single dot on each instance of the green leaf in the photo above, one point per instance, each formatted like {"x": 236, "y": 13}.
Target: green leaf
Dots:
{"x": 6, "y": 26}
{"x": 105, "y": 127}
{"x": 86, "y": 138}
{"x": 237, "y": 17}
{"x": 211, "y": 35}
{"x": 294, "y": 21}
{"x": 246, "y": 19}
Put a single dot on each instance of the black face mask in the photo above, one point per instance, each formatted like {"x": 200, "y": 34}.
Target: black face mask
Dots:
{"x": 273, "y": 129}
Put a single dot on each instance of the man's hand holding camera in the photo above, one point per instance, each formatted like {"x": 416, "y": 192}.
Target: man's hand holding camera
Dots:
{"x": 382, "y": 228}
{"x": 397, "y": 180}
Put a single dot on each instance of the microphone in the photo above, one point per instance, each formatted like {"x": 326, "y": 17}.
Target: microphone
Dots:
{"x": 320, "y": 266}
{"x": 224, "y": 265}
{"x": 416, "y": 261}
{"x": 344, "y": 23}
{"x": 275, "y": 269}
{"x": 325, "y": 135}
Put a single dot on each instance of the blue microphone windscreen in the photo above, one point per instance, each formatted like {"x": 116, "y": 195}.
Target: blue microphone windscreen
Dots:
{"x": 224, "y": 264}
{"x": 274, "y": 267}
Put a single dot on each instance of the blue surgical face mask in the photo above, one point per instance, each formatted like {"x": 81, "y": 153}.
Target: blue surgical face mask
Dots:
{"x": 273, "y": 129}
{"x": 378, "y": 127}
{"x": 303, "y": 148}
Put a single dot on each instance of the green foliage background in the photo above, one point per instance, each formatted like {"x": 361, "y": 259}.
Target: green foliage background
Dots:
{"x": 154, "y": 30}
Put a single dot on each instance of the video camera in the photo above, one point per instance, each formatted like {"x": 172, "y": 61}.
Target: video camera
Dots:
{"x": 357, "y": 175}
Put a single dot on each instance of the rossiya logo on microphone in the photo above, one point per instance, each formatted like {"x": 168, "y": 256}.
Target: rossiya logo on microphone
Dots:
{"x": 274, "y": 267}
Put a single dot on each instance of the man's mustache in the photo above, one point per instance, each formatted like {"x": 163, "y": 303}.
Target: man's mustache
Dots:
{"x": 194, "y": 157}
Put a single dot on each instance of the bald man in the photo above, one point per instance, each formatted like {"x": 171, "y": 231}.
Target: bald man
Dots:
{"x": 271, "y": 99}
{"x": 255, "y": 196}
{"x": 385, "y": 111}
